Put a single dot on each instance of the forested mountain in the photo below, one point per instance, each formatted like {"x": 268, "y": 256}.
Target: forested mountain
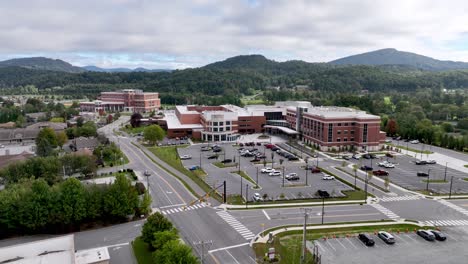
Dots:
{"x": 396, "y": 57}
{"x": 139, "y": 69}
{"x": 41, "y": 63}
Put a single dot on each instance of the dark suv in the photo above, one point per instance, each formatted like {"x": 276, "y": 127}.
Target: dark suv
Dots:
{"x": 422, "y": 174}
{"x": 426, "y": 234}
{"x": 366, "y": 239}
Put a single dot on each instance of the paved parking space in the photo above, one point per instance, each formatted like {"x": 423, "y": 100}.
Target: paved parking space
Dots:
{"x": 408, "y": 248}
{"x": 405, "y": 175}
{"x": 270, "y": 185}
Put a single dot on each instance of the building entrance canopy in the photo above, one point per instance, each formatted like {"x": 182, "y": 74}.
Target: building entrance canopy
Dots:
{"x": 283, "y": 129}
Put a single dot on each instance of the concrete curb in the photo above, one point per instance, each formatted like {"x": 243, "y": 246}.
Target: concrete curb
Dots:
{"x": 232, "y": 206}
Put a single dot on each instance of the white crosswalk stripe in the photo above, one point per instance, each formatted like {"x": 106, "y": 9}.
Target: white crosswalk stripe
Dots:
{"x": 386, "y": 212}
{"x": 446, "y": 222}
{"x": 454, "y": 207}
{"x": 238, "y": 226}
{"x": 400, "y": 198}
{"x": 183, "y": 209}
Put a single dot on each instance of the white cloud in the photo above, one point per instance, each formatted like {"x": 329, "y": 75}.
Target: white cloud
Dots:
{"x": 184, "y": 33}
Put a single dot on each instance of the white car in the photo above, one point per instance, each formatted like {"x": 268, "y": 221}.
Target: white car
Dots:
{"x": 328, "y": 177}
{"x": 431, "y": 162}
{"x": 257, "y": 197}
{"x": 275, "y": 173}
{"x": 267, "y": 170}
{"x": 414, "y": 141}
{"x": 185, "y": 157}
{"x": 389, "y": 165}
{"x": 388, "y": 141}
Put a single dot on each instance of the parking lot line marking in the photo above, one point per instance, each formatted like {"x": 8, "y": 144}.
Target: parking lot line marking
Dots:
{"x": 321, "y": 247}
{"x": 400, "y": 238}
{"x": 451, "y": 237}
{"x": 338, "y": 240}
{"x": 328, "y": 242}
{"x": 349, "y": 241}
{"x": 408, "y": 236}
{"x": 266, "y": 215}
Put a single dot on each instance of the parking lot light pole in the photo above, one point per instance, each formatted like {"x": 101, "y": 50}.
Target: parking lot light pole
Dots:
{"x": 428, "y": 179}
{"x": 246, "y": 195}
{"x": 365, "y": 187}
{"x": 283, "y": 176}
{"x": 200, "y": 159}
{"x": 239, "y": 162}
{"x": 323, "y": 207}
{"x": 445, "y": 175}
{"x": 241, "y": 184}
{"x": 256, "y": 182}
{"x": 450, "y": 192}
{"x": 307, "y": 167}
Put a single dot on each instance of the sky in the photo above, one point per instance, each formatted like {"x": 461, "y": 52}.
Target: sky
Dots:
{"x": 178, "y": 34}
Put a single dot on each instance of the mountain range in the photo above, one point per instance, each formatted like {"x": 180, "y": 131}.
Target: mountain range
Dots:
{"x": 390, "y": 58}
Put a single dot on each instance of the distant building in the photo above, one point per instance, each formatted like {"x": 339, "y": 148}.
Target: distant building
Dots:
{"x": 58, "y": 250}
{"x": 29, "y": 133}
{"x": 6, "y": 160}
{"x": 123, "y": 101}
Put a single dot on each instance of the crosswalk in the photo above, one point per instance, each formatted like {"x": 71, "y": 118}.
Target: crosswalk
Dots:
{"x": 447, "y": 222}
{"x": 454, "y": 207}
{"x": 183, "y": 208}
{"x": 400, "y": 198}
{"x": 238, "y": 226}
{"x": 385, "y": 211}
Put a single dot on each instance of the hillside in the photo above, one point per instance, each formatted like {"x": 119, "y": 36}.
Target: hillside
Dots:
{"x": 41, "y": 63}
{"x": 139, "y": 69}
{"x": 396, "y": 57}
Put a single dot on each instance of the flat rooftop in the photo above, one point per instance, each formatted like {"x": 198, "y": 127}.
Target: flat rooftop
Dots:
{"x": 337, "y": 112}
{"x": 59, "y": 250}
{"x": 174, "y": 123}
{"x": 94, "y": 255}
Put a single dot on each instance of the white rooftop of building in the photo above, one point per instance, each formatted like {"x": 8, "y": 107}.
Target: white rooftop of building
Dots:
{"x": 337, "y": 112}
{"x": 237, "y": 109}
{"x": 94, "y": 255}
{"x": 184, "y": 110}
{"x": 59, "y": 250}
{"x": 174, "y": 123}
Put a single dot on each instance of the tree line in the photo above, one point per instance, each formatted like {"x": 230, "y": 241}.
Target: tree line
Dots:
{"x": 33, "y": 206}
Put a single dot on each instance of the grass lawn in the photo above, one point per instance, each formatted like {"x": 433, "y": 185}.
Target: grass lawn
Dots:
{"x": 234, "y": 199}
{"x": 245, "y": 176}
{"x": 133, "y": 130}
{"x": 224, "y": 165}
{"x": 434, "y": 181}
{"x": 141, "y": 251}
{"x": 410, "y": 149}
{"x": 466, "y": 166}
{"x": 288, "y": 244}
{"x": 171, "y": 157}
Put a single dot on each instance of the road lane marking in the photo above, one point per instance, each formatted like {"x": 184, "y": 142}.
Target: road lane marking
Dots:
{"x": 173, "y": 205}
{"x": 266, "y": 215}
{"x": 232, "y": 257}
{"x": 224, "y": 248}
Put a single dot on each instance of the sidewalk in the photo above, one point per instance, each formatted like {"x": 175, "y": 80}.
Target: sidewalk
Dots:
{"x": 264, "y": 239}
{"x": 240, "y": 206}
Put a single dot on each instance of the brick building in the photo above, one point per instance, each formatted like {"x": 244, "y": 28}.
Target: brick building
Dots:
{"x": 125, "y": 100}
{"x": 336, "y": 127}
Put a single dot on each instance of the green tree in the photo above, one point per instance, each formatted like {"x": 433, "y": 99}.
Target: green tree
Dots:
{"x": 72, "y": 201}
{"x": 62, "y": 138}
{"x": 163, "y": 237}
{"x": 43, "y": 147}
{"x": 57, "y": 120}
{"x": 153, "y": 134}
{"x": 48, "y": 134}
{"x": 144, "y": 208}
{"x": 173, "y": 252}
{"x": 122, "y": 199}
{"x": 34, "y": 206}
{"x": 155, "y": 223}
{"x": 88, "y": 129}
{"x": 20, "y": 121}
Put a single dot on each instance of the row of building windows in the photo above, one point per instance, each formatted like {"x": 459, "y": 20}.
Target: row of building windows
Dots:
{"x": 345, "y": 132}
{"x": 344, "y": 139}
{"x": 219, "y": 129}
{"x": 219, "y": 123}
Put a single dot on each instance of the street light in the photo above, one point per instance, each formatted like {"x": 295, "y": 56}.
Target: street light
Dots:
{"x": 450, "y": 193}
{"x": 445, "y": 175}
{"x": 246, "y": 195}
{"x": 323, "y": 207}
{"x": 307, "y": 167}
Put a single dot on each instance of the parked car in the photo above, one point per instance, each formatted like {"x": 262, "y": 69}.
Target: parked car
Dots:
{"x": 227, "y": 161}
{"x": 257, "y": 197}
{"x": 275, "y": 173}
{"x": 195, "y": 167}
{"x": 293, "y": 158}
{"x": 259, "y": 144}
{"x": 420, "y": 162}
{"x": 367, "y": 156}
{"x": 422, "y": 174}
{"x": 267, "y": 170}
{"x": 269, "y": 146}
{"x": 431, "y": 162}
{"x": 323, "y": 194}
{"x": 356, "y": 156}
{"x": 218, "y": 149}
{"x": 274, "y": 148}
{"x": 260, "y": 156}
{"x": 380, "y": 173}
{"x": 366, "y": 239}
{"x": 386, "y": 237}
{"x": 212, "y": 157}
{"x": 292, "y": 177}
{"x": 389, "y": 155}
{"x": 315, "y": 155}
{"x": 438, "y": 235}
{"x": 255, "y": 160}
{"x": 185, "y": 157}
{"x": 315, "y": 170}
{"x": 366, "y": 168}
{"x": 426, "y": 234}
{"x": 328, "y": 177}
{"x": 205, "y": 148}
{"x": 241, "y": 144}
{"x": 388, "y": 141}
{"x": 414, "y": 141}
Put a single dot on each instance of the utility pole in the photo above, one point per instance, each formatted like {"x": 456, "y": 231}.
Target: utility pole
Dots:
{"x": 445, "y": 175}
{"x": 200, "y": 159}
{"x": 283, "y": 176}
{"x": 323, "y": 207}
{"x": 147, "y": 182}
{"x": 450, "y": 193}
{"x": 204, "y": 245}
{"x": 306, "y": 214}
{"x": 239, "y": 162}
{"x": 307, "y": 168}
{"x": 241, "y": 184}
{"x": 428, "y": 179}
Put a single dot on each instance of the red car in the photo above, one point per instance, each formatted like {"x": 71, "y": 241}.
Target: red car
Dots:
{"x": 315, "y": 170}
{"x": 269, "y": 146}
{"x": 380, "y": 173}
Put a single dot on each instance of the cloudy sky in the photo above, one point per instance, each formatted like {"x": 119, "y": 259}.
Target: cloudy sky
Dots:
{"x": 191, "y": 33}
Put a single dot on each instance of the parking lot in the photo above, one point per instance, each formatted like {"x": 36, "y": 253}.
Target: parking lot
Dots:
{"x": 270, "y": 185}
{"x": 408, "y": 248}
{"x": 405, "y": 174}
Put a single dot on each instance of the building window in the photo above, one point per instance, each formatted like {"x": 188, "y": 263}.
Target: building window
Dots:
{"x": 352, "y": 139}
{"x": 352, "y": 132}
{"x": 353, "y": 123}
{"x": 228, "y": 123}
{"x": 330, "y": 132}
{"x": 339, "y": 124}
{"x": 215, "y": 129}
{"x": 364, "y": 133}
{"x": 345, "y": 139}
{"x": 338, "y": 139}
{"x": 221, "y": 123}
{"x": 339, "y": 132}
{"x": 345, "y": 124}
{"x": 228, "y": 128}
{"x": 221, "y": 129}
{"x": 346, "y": 132}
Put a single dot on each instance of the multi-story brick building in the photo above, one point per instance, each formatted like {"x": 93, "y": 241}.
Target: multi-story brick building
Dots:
{"x": 336, "y": 127}
{"x": 126, "y": 100}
